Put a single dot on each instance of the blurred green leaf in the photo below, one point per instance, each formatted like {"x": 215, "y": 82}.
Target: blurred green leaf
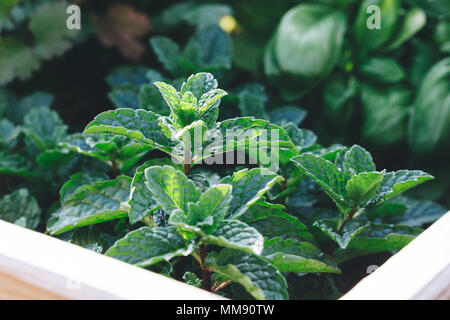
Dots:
{"x": 430, "y": 122}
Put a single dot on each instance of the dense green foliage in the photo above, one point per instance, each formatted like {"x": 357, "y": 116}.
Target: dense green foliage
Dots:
{"x": 138, "y": 185}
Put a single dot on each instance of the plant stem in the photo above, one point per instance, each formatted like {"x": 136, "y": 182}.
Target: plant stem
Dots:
{"x": 187, "y": 168}
{"x": 115, "y": 168}
{"x": 206, "y": 275}
{"x": 221, "y": 286}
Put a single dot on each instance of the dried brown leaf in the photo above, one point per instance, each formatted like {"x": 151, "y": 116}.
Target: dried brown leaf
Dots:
{"x": 121, "y": 27}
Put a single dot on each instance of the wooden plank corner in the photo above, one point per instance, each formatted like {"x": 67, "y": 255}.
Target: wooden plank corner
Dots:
{"x": 37, "y": 266}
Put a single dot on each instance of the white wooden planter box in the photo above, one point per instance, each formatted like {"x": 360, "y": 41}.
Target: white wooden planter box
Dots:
{"x": 36, "y": 266}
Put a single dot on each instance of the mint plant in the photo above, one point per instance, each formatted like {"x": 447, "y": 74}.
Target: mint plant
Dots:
{"x": 238, "y": 231}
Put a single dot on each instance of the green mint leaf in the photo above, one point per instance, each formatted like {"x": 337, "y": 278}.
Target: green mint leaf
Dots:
{"x": 48, "y": 25}
{"x": 141, "y": 201}
{"x": 8, "y": 134}
{"x": 17, "y": 109}
{"x": 107, "y": 148}
{"x": 291, "y": 255}
{"x": 248, "y": 187}
{"x": 236, "y": 235}
{"x": 377, "y": 238}
{"x": 17, "y": 59}
{"x": 421, "y": 213}
{"x": 349, "y": 231}
{"x": 149, "y": 98}
{"x": 324, "y": 173}
{"x": 170, "y": 95}
{"x": 129, "y": 76}
{"x": 207, "y": 213}
{"x": 271, "y": 220}
{"x": 358, "y": 160}
{"x": 213, "y": 203}
{"x": 252, "y": 101}
{"x": 44, "y": 128}
{"x": 99, "y": 202}
{"x": 124, "y": 96}
{"x": 17, "y": 165}
{"x": 139, "y": 125}
{"x": 396, "y": 182}
{"x": 289, "y": 113}
{"x": 261, "y": 279}
{"x": 20, "y": 208}
{"x": 168, "y": 53}
{"x": 213, "y": 48}
{"x": 192, "y": 279}
{"x": 363, "y": 186}
{"x": 78, "y": 180}
{"x": 199, "y": 84}
{"x": 248, "y": 134}
{"x": 171, "y": 188}
{"x": 147, "y": 246}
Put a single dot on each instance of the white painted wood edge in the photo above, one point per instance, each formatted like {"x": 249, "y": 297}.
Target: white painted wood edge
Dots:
{"x": 421, "y": 270}
{"x": 72, "y": 272}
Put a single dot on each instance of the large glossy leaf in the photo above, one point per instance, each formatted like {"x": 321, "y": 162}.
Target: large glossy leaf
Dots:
{"x": 237, "y": 235}
{"x": 20, "y": 208}
{"x": 291, "y": 255}
{"x": 309, "y": 40}
{"x": 430, "y": 123}
{"x": 147, "y": 246}
{"x": 371, "y": 39}
{"x": 102, "y": 201}
{"x": 261, "y": 279}
{"x": 248, "y": 187}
